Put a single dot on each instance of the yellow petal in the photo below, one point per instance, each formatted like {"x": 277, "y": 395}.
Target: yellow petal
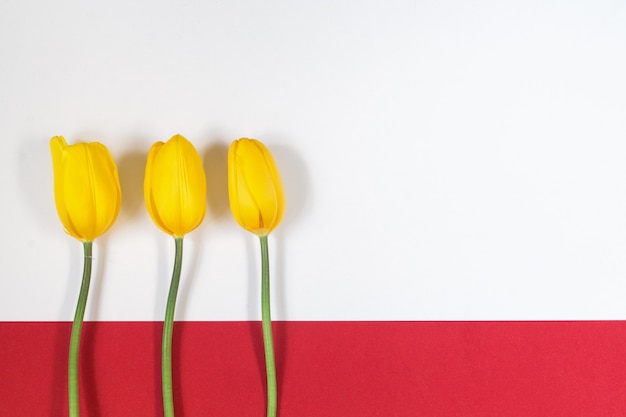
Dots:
{"x": 255, "y": 189}
{"x": 175, "y": 186}
{"x": 147, "y": 188}
{"x": 87, "y": 190}
{"x": 57, "y": 149}
{"x": 107, "y": 193}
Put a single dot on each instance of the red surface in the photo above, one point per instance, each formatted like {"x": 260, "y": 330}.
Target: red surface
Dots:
{"x": 343, "y": 369}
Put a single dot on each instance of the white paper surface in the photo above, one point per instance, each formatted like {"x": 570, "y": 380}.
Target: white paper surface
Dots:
{"x": 442, "y": 160}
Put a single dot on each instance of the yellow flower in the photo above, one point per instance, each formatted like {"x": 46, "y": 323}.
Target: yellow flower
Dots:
{"x": 86, "y": 188}
{"x": 257, "y": 199}
{"x": 175, "y": 186}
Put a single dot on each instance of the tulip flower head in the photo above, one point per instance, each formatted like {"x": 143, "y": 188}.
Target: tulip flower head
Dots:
{"x": 255, "y": 190}
{"x": 87, "y": 189}
{"x": 175, "y": 186}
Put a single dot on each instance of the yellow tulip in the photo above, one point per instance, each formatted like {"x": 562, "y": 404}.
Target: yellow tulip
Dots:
{"x": 257, "y": 199}
{"x": 86, "y": 188}
{"x": 175, "y": 186}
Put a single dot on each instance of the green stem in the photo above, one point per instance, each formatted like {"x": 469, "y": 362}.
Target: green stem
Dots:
{"x": 266, "y": 319}
{"x": 77, "y": 325}
{"x": 168, "y": 327}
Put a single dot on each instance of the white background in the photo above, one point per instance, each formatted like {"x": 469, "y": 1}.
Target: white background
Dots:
{"x": 441, "y": 159}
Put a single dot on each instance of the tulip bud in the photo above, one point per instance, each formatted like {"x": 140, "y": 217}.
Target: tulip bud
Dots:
{"x": 257, "y": 199}
{"x": 175, "y": 186}
{"x": 86, "y": 188}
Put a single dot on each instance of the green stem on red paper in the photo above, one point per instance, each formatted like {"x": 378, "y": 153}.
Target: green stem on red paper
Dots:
{"x": 77, "y": 325}
{"x": 266, "y": 319}
{"x": 168, "y": 327}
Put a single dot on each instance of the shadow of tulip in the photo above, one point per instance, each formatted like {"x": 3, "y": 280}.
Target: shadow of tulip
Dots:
{"x": 157, "y": 337}
{"x": 59, "y": 379}
{"x": 87, "y": 377}
{"x": 178, "y": 335}
{"x": 253, "y": 259}
{"x": 215, "y": 161}
{"x": 131, "y": 167}
{"x": 280, "y": 329}
{"x": 297, "y": 188}
{"x": 256, "y": 336}
{"x": 296, "y": 183}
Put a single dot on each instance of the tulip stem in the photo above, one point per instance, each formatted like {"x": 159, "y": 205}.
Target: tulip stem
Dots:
{"x": 168, "y": 327}
{"x": 77, "y": 325}
{"x": 266, "y": 319}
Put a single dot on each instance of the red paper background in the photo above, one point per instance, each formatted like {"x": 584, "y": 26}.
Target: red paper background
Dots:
{"x": 343, "y": 369}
